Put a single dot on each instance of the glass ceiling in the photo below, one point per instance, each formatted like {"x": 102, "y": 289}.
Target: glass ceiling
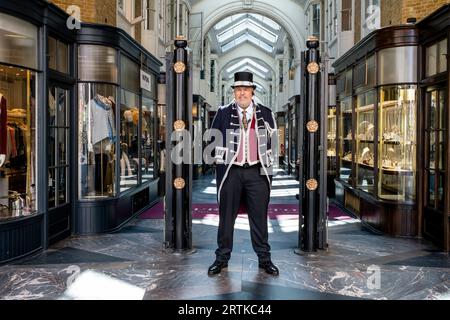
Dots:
{"x": 247, "y": 61}
{"x": 251, "y": 69}
{"x": 242, "y": 27}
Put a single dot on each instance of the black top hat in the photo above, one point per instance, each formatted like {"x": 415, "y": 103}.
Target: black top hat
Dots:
{"x": 243, "y": 79}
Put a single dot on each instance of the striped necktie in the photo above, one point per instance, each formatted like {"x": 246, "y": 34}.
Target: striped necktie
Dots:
{"x": 244, "y": 119}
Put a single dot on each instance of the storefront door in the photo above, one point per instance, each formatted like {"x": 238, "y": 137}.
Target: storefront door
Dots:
{"x": 58, "y": 138}
{"x": 436, "y": 143}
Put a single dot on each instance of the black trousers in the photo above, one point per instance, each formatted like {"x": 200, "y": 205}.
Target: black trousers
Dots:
{"x": 251, "y": 183}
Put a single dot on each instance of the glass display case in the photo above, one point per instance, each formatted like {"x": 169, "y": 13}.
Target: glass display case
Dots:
{"x": 364, "y": 136}
{"x": 397, "y": 147}
{"x": 345, "y": 140}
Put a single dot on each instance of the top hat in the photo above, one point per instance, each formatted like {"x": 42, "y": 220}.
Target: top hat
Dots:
{"x": 243, "y": 79}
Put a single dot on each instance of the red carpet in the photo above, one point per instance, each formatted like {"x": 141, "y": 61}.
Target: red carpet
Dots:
{"x": 200, "y": 210}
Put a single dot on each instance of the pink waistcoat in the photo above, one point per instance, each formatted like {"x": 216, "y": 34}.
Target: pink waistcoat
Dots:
{"x": 248, "y": 149}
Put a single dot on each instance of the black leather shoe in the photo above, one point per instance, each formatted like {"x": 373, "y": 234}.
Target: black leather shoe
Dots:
{"x": 217, "y": 266}
{"x": 269, "y": 267}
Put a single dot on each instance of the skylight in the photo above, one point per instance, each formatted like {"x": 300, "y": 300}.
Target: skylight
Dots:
{"x": 247, "y": 24}
{"x": 223, "y": 23}
{"x": 247, "y": 61}
{"x": 267, "y": 21}
{"x": 249, "y": 68}
{"x": 247, "y": 37}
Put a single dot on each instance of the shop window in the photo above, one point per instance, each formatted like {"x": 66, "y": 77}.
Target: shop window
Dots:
{"x": 96, "y": 137}
{"x": 97, "y": 125}
{"x": 148, "y": 143}
{"x": 18, "y": 42}
{"x": 129, "y": 123}
{"x": 397, "y": 142}
{"x": 364, "y": 136}
{"x": 18, "y": 156}
{"x": 129, "y": 156}
{"x": 345, "y": 140}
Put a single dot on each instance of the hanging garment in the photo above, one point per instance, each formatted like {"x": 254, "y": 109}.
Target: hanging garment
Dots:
{"x": 3, "y": 120}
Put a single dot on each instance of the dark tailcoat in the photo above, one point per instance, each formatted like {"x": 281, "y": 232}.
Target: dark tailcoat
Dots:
{"x": 227, "y": 121}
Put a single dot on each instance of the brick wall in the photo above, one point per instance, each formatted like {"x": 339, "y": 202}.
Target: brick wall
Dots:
{"x": 420, "y": 9}
{"x": 390, "y": 12}
{"x": 95, "y": 11}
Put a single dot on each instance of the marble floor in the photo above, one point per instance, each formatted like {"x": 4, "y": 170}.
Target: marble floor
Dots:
{"x": 132, "y": 264}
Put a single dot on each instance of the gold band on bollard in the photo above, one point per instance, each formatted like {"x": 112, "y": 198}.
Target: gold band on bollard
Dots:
{"x": 312, "y": 126}
{"x": 313, "y": 67}
{"x": 179, "y": 67}
{"x": 179, "y": 183}
{"x": 179, "y": 125}
{"x": 311, "y": 184}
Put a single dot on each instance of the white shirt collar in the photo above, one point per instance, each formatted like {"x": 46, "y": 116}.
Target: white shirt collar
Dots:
{"x": 249, "y": 110}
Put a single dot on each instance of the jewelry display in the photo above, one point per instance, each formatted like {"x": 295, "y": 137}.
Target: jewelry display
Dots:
{"x": 347, "y": 156}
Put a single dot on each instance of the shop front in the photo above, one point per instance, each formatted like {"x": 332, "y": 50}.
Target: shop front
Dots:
{"x": 376, "y": 140}
{"x": 78, "y": 124}
{"x": 434, "y": 201}
{"x": 116, "y": 129}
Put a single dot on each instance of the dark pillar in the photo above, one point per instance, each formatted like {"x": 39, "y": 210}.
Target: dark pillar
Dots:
{"x": 178, "y": 231}
{"x": 312, "y": 171}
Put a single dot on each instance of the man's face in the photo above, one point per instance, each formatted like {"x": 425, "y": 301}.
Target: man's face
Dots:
{"x": 243, "y": 96}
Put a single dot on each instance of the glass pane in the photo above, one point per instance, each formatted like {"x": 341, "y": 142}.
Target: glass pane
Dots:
{"x": 63, "y": 57}
{"x": 440, "y": 191}
{"x": 97, "y": 63}
{"x": 442, "y": 110}
{"x": 62, "y": 143}
{"x": 397, "y": 156}
{"x": 441, "y": 150}
{"x": 346, "y": 15}
{"x": 148, "y": 139}
{"x": 129, "y": 74}
{"x": 96, "y": 138}
{"x": 371, "y": 71}
{"x": 432, "y": 114}
{"x": 442, "y": 53}
{"x": 51, "y": 53}
{"x": 51, "y": 146}
{"x": 365, "y": 149}
{"x": 51, "y": 106}
{"x": 18, "y": 42}
{"x": 394, "y": 65}
{"x": 345, "y": 140}
{"x": 62, "y": 104}
{"x": 51, "y": 188}
{"x": 17, "y": 142}
{"x": 62, "y": 185}
{"x": 129, "y": 121}
{"x": 431, "y": 192}
{"x": 431, "y": 60}
{"x": 432, "y": 149}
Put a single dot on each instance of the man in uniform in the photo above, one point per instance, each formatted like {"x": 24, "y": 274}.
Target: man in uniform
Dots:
{"x": 244, "y": 162}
